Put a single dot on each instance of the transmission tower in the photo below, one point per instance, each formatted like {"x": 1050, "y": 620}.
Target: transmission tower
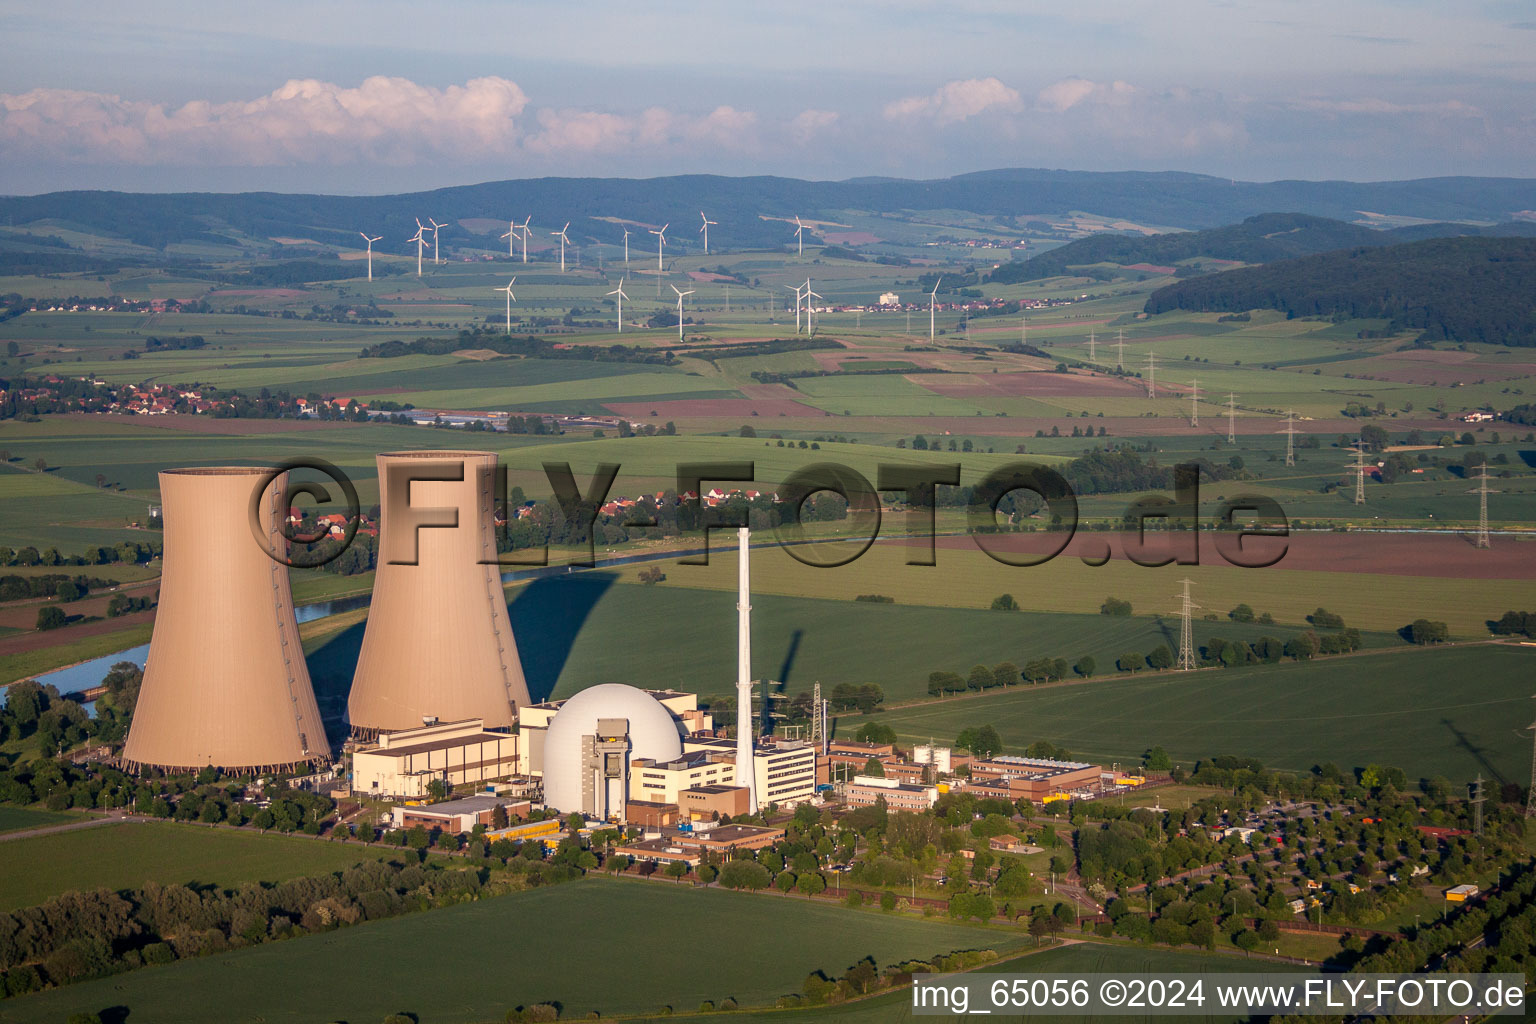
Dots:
{"x": 1530, "y": 794}
{"x": 1290, "y": 438}
{"x": 1359, "y": 473}
{"x": 1120, "y": 350}
{"x": 1151, "y": 375}
{"x": 1482, "y": 491}
{"x": 1023, "y": 329}
{"x": 1186, "y": 660}
{"x": 1194, "y": 403}
{"x": 1091, "y": 357}
{"x": 1231, "y": 419}
{"x": 1476, "y": 800}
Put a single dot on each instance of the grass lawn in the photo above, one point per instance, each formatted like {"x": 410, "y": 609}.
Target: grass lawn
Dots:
{"x": 1083, "y": 958}
{"x": 126, "y": 855}
{"x": 1452, "y": 711}
{"x": 14, "y": 819}
{"x": 615, "y": 946}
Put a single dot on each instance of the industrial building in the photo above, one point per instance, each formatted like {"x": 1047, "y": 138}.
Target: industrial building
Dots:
{"x": 455, "y": 816}
{"x": 867, "y": 790}
{"x": 225, "y": 683}
{"x": 406, "y": 762}
{"x": 693, "y": 844}
{"x": 785, "y": 770}
{"x": 666, "y": 781}
{"x": 438, "y": 643}
{"x": 592, "y": 741}
{"x": 1033, "y": 778}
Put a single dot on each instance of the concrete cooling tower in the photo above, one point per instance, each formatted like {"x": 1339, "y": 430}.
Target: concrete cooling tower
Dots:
{"x": 438, "y": 642}
{"x": 225, "y": 683}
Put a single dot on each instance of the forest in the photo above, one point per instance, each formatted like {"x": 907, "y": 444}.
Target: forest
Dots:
{"x": 1447, "y": 289}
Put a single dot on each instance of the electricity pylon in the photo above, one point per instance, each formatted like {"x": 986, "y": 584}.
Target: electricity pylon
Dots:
{"x": 1186, "y": 659}
{"x": 1231, "y": 419}
{"x": 1482, "y": 490}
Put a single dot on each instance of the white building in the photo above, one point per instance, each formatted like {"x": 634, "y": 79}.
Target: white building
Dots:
{"x": 405, "y": 763}
{"x": 890, "y": 299}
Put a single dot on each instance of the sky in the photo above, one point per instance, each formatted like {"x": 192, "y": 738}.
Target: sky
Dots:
{"x": 347, "y": 96}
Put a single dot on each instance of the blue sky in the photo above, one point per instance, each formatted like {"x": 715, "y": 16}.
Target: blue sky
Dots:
{"x": 339, "y": 95}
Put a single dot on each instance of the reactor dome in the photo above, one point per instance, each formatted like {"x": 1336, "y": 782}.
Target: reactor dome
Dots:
{"x": 652, "y": 733}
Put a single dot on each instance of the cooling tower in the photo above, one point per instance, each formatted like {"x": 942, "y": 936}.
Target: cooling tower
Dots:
{"x": 225, "y": 683}
{"x": 438, "y": 642}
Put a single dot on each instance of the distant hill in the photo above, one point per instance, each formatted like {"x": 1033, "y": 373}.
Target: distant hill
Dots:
{"x": 1261, "y": 239}
{"x": 1269, "y": 236}
{"x": 1457, "y": 289}
{"x": 1169, "y": 199}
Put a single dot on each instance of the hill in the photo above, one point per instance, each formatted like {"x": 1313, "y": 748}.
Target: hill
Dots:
{"x": 740, "y": 204}
{"x": 1261, "y": 239}
{"x": 1455, "y": 289}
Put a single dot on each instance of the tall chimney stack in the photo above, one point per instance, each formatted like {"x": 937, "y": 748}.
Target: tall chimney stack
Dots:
{"x": 746, "y": 766}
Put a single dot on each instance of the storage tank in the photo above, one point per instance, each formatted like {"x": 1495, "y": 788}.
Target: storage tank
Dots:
{"x": 225, "y": 683}
{"x": 438, "y": 643}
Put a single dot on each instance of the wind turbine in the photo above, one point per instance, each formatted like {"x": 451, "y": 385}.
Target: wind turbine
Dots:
{"x": 619, "y": 291}
{"x": 511, "y": 237}
{"x": 810, "y": 310}
{"x": 933, "y": 298}
{"x": 435, "y": 227}
{"x": 421, "y": 243}
{"x": 800, "y": 236}
{"x": 796, "y": 289}
{"x": 561, "y": 235}
{"x": 661, "y": 241}
{"x": 705, "y": 230}
{"x": 525, "y": 236}
{"x": 626, "y": 247}
{"x": 510, "y": 297}
{"x": 680, "y": 309}
{"x": 370, "y": 242}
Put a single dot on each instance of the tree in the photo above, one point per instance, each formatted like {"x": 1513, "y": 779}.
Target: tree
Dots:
{"x": 1157, "y": 760}
{"x": 1005, "y": 673}
{"x": 51, "y": 617}
{"x": 40, "y": 464}
{"x": 981, "y": 677}
{"x": 1130, "y": 661}
{"x": 1424, "y": 631}
{"x": 1242, "y": 613}
{"x": 1004, "y": 603}
{"x": 940, "y": 683}
{"x": 874, "y": 767}
{"x": 1115, "y": 606}
{"x": 875, "y": 732}
{"x": 67, "y": 591}
{"x": 651, "y": 575}
{"x": 1160, "y": 657}
{"x": 744, "y": 874}
{"x": 1085, "y": 666}
{"x": 677, "y": 869}
{"x": 984, "y": 742}
{"x": 748, "y": 431}
{"x": 811, "y": 883}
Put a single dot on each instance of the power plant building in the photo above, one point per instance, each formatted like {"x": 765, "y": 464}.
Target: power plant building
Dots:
{"x": 438, "y": 644}
{"x": 592, "y": 741}
{"x": 406, "y": 763}
{"x": 225, "y": 684}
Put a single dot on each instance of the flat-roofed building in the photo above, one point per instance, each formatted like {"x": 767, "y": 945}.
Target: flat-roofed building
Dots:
{"x": 660, "y": 851}
{"x": 404, "y": 763}
{"x": 861, "y": 748}
{"x": 725, "y": 838}
{"x": 904, "y": 771}
{"x": 867, "y": 790}
{"x": 704, "y": 802}
{"x": 666, "y": 781}
{"x": 786, "y": 769}
{"x": 649, "y": 814}
{"x": 462, "y": 815}
{"x": 1036, "y": 778}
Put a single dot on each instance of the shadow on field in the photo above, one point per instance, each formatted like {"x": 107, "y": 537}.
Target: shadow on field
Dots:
{"x": 547, "y": 616}
{"x": 331, "y": 666}
{"x": 1479, "y": 754}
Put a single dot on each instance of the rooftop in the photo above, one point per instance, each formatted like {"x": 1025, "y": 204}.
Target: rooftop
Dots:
{"x": 463, "y": 805}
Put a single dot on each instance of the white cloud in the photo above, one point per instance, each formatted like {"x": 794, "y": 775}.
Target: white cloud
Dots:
{"x": 393, "y": 120}
{"x": 957, "y": 101}
{"x": 1069, "y": 92}
{"x": 384, "y": 120}
{"x": 807, "y": 124}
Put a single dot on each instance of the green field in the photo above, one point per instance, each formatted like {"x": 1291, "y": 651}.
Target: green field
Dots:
{"x": 1455, "y": 711}
{"x": 14, "y": 819}
{"x": 1083, "y": 958}
{"x": 127, "y": 855}
{"x": 615, "y": 946}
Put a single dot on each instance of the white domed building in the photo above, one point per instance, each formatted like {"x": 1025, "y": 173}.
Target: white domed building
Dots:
{"x": 592, "y": 740}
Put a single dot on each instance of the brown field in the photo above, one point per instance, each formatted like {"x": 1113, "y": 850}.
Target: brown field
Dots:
{"x": 1150, "y": 268}
{"x": 702, "y": 275}
{"x": 1440, "y": 368}
{"x": 257, "y": 293}
{"x": 1029, "y": 385}
{"x": 726, "y": 407}
{"x": 34, "y": 641}
{"x": 1447, "y": 556}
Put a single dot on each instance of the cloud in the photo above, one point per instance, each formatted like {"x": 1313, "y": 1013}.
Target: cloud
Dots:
{"x": 1069, "y": 92}
{"x": 807, "y": 124}
{"x": 1371, "y": 105}
{"x": 957, "y": 101}
{"x": 1139, "y": 122}
{"x": 393, "y": 120}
